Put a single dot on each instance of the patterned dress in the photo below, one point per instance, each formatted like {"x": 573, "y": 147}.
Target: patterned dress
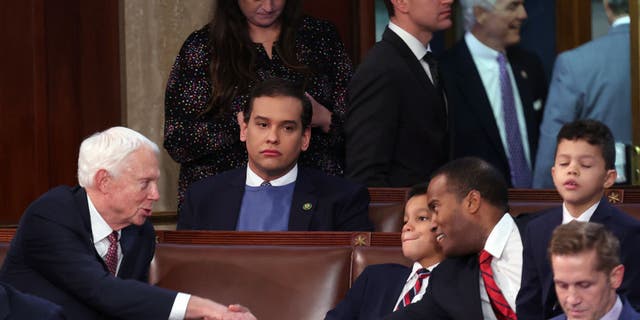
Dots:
{"x": 205, "y": 146}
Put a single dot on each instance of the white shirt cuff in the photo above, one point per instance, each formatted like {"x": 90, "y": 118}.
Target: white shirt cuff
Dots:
{"x": 179, "y": 309}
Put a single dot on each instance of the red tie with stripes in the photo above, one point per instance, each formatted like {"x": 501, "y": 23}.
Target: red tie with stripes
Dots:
{"x": 111, "y": 258}
{"x": 499, "y": 304}
{"x": 422, "y": 273}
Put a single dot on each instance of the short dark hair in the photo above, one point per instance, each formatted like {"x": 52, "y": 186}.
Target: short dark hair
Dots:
{"x": 577, "y": 237}
{"x": 390, "y": 10}
{"x": 471, "y": 173}
{"x": 594, "y": 133}
{"x": 417, "y": 190}
{"x": 619, "y": 7}
{"x": 276, "y": 87}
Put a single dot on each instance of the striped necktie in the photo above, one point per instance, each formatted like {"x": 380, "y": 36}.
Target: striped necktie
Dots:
{"x": 422, "y": 274}
{"x": 499, "y": 304}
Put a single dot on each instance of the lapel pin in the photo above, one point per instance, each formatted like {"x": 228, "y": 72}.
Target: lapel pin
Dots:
{"x": 523, "y": 74}
{"x": 307, "y": 206}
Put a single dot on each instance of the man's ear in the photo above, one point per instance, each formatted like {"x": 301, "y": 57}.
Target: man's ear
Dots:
{"x": 306, "y": 138}
{"x": 480, "y": 14}
{"x": 101, "y": 180}
{"x": 243, "y": 130}
{"x": 616, "y": 276}
{"x": 400, "y": 6}
{"x": 472, "y": 201}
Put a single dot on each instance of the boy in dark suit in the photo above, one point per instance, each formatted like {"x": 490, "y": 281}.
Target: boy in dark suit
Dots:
{"x": 584, "y": 167}
{"x": 15, "y": 305}
{"x": 381, "y": 289}
{"x": 272, "y": 193}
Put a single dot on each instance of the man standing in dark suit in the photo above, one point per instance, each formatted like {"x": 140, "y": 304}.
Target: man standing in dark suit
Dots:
{"x": 396, "y": 129}
{"x": 15, "y": 305}
{"x": 272, "y": 193}
{"x": 88, "y": 248}
{"x": 495, "y": 89}
{"x": 382, "y": 288}
{"x": 481, "y": 275}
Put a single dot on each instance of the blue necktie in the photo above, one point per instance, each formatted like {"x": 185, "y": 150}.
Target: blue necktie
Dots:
{"x": 520, "y": 172}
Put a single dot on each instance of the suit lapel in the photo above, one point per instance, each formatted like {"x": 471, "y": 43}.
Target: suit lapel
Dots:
{"x": 409, "y": 58}
{"x": 602, "y": 213}
{"x": 304, "y": 203}
{"x": 473, "y": 277}
{"x": 228, "y": 209}
{"x": 476, "y": 96}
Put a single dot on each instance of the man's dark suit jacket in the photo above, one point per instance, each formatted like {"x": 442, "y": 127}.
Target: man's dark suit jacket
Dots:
{"x": 214, "y": 203}
{"x": 537, "y": 297}
{"x": 396, "y": 126}
{"x": 628, "y": 313}
{"x": 473, "y": 123}
{"x": 53, "y": 256}
{"x": 15, "y": 305}
{"x": 373, "y": 295}
{"x": 454, "y": 289}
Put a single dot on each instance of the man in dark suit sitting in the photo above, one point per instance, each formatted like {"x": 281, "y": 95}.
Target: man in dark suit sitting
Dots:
{"x": 382, "y": 288}
{"x": 481, "y": 275}
{"x": 496, "y": 90}
{"x": 272, "y": 193}
{"x": 396, "y": 129}
{"x": 88, "y": 248}
{"x": 585, "y": 258}
{"x": 15, "y": 305}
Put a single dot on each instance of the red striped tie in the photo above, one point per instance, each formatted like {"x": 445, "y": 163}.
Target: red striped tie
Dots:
{"x": 422, "y": 273}
{"x": 499, "y": 304}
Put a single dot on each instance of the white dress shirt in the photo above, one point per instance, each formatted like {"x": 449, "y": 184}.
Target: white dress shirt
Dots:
{"x": 505, "y": 245}
{"x": 485, "y": 59}
{"x": 583, "y": 217}
{"x": 616, "y": 310}
{"x": 417, "y": 47}
{"x": 100, "y": 230}
{"x": 253, "y": 180}
{"x": 411, "y": 282}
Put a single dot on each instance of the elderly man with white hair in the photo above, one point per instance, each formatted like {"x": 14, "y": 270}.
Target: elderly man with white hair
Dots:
{"x": 88, "y": 248}
{"x": 495, "y": 89}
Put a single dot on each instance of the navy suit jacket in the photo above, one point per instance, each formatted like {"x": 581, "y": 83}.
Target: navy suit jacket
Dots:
{"x": 373, "y": 295}
{"x": 454, "y": 289}
{"x": 628, "y": 313}
{"x": 53, "y": 256}
{"x": 15, "y": 305}
{"x": 473, "y": 123}
{"x": 537, "y": 296}
{"x": 214, "y": 203}
{"x": 396, "y": 129}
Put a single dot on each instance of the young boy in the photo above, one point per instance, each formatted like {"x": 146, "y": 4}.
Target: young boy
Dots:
{"x": 381, "y": 289}
{"x": 583, "y": 168}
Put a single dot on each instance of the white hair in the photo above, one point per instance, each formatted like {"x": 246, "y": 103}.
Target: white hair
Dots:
{"x": 107, "y": 150}
{"x": 467, "y": 10}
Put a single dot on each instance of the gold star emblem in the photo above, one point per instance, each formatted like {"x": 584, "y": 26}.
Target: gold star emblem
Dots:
{"x": 614, "y": 197}
{"x": 360, "y": 240}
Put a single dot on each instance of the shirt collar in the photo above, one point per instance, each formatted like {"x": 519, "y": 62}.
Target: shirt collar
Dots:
{"x": 497, "y": 240}
{"x": 621, "y": 20}
{"x": 615, "y": 311}
{"x": 478, "y": 49}
{"x": 100, "y": 229}
{"x": 417, "y": 47}
{"x": 583, "y": 217}
{"x": 417, "y": 266}
{"x": 253, "y": 180}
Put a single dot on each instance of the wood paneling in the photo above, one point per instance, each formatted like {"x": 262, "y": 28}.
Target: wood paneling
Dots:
{"x": 60, "y": 82}
{"x": 573, "y": 23}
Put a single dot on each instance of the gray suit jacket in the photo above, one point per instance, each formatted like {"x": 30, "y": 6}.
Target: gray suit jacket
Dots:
{"x": 589, "y": 82}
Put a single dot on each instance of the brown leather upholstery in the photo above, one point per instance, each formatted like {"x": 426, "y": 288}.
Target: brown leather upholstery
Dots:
{"x": 364, "y": 256}
{"x": 386, "y": 217}
{"x": 275, "y": 282}
{"x": 4, "y": 248}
